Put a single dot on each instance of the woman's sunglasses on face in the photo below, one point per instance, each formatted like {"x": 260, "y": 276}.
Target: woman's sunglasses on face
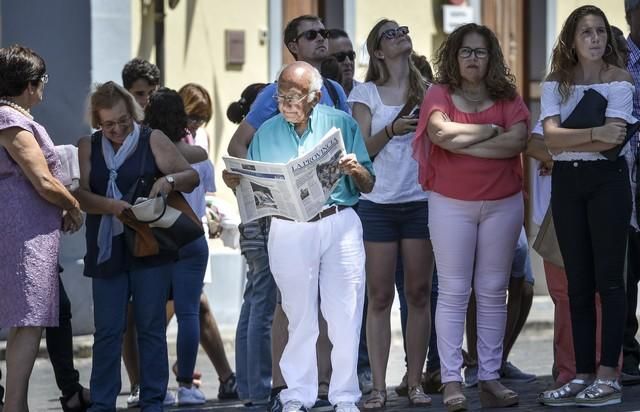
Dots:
{"x": 341, "y": 56}
{"x": 393, "y": 33}
{"x": 312, "y": 34}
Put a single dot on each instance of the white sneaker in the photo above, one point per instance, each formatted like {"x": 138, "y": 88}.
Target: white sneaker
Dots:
{"x": 293, "y": 406}
{"x": 169, "y": 399}
{"x": 190, "y": 396}
{"x": 133, "y": 401}
{"x": 346, "y": 407}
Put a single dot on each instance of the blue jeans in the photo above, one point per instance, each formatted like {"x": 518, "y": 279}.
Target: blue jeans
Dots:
{"x": 149, "y": 289}
{"x": 186, "y": 281}
{"x": 433, "y": 359}
{"x": 253, "y": 335}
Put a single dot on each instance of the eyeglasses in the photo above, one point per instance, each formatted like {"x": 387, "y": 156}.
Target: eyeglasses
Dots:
{"x": 341, "y": 56}
{"x": 312, "y": 34}
{"x": 293, "y": 99}
{"x": 195, "y": 120}
{"x": 393, "y": 33}
{"x": 44, "y": 78}
{"x": 123, "y": 123}
{"x": 480, "y": 52}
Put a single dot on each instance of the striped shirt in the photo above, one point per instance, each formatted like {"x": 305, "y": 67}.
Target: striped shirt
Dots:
{"x": 633, "y": 67}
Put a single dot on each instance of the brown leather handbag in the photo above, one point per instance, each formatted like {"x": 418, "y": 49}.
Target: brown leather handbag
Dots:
{"x": 546, "y": 243}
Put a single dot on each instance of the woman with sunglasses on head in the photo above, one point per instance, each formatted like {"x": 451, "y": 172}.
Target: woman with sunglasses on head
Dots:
{"x": 36, "y": 206}
{"x": 394, "y": 214}
{"x": 590, "y": 199}
{"x": 472, "y": 129}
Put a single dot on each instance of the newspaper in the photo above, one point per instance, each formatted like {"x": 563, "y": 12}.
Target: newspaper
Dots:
{"x": 297, "y": 190}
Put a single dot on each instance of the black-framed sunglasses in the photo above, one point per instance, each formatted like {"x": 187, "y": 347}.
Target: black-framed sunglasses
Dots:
{"x": 393, "y": 33}
{"x": 312, "y": 34}
{"x": 341, "y": 56}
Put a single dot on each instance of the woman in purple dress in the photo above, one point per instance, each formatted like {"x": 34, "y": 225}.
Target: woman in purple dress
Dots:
{"x": 36, "y": 206}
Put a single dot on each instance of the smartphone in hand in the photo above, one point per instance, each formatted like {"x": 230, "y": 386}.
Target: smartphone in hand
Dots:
{"x": 415, "y": 113}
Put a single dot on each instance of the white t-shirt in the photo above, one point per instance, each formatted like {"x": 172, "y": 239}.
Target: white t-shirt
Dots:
{"x": 196, "y": 198}
{"x": 540, "y": 186}
{"x": 396, "y": 169}
{"x": 619, "y": 95}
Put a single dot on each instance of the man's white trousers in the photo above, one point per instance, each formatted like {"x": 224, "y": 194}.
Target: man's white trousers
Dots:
{"x": 326, "y": 256}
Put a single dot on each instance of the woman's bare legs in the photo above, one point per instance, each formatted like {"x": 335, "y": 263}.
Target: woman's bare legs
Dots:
{"x": 22, "y": 348}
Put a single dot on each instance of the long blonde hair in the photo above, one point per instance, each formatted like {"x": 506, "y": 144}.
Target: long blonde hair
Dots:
{"x": 379, "y": 73}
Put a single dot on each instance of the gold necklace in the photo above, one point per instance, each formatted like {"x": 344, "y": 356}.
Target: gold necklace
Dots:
{"x": 17, "y": 107}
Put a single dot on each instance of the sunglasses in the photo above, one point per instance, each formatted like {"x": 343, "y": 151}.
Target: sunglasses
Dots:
{"x": 393, "y": 33}
{"x": 312, "y": 34}
{"x": 341, "y": 56}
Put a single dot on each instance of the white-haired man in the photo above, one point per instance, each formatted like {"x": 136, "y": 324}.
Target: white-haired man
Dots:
{"x": 326, "y": 253}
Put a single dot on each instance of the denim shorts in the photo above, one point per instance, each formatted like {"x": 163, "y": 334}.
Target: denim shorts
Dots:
{"x": 394, "y": 221}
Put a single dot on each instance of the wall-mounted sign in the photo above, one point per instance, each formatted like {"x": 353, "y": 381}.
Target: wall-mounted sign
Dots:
{"x": 454, "y": 16}
{"x": 234, "y": 40}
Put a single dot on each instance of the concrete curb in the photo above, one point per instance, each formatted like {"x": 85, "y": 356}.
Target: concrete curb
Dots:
{"x": 540, "y": 319}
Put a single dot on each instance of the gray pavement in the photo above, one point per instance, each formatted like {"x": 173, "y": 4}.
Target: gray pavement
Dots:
{"x": 532, "y": 353}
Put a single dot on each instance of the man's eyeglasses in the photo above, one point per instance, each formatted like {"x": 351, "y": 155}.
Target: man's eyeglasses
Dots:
{"x": 123, "y": 123}
{"x": 480, "y": 52}
{"x": 312, "y": 34}
{"x": 393, "y": 33}
{"x": 293, "y": 99}
{"x": 341, "y": 56}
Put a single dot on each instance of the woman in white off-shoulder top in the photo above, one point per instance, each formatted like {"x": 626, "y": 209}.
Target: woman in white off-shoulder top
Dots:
{"x": 590, "y": 199}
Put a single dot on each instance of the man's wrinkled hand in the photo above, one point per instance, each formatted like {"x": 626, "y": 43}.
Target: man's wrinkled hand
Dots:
{"x": 348, "y": 164}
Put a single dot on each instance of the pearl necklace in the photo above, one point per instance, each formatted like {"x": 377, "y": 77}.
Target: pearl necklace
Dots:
{"x": 17, "y": 107}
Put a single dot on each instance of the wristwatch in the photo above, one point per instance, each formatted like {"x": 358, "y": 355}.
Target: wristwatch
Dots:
{"x": 495, "y": 128}
{"x": 171, "y": 181}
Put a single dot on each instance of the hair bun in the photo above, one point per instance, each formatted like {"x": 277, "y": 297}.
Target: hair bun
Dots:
{"x": 237, "y": 111}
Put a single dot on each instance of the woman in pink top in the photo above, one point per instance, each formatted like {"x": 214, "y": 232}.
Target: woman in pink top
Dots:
{"x": 472, "y": 128}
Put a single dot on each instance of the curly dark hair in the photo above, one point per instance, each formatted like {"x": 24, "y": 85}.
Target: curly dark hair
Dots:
{"x": 140, "y": 69}
{"x": 238, "y": 110}
{"x": 165, "y": 112}
{"x": 19, "y": 67}
{"x": 564, "y": 57}
{"x": 499, "y": 80}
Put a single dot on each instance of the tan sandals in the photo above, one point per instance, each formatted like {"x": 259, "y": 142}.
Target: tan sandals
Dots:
{"x": 417, "y": 397}
{"x": 499, "y": 399}
{"x": 377, "y": 400}
{"x": 455, "y": 402}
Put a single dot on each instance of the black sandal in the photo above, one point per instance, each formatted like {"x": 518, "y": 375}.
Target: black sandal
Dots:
{"x": 83, "y": 403}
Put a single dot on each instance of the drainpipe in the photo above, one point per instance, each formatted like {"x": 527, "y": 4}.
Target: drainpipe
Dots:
{"x": 159, "y": 36}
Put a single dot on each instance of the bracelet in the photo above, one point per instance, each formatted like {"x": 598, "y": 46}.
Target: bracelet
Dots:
{"x": 393, "y": 124}
{"x": 386, "y": 132}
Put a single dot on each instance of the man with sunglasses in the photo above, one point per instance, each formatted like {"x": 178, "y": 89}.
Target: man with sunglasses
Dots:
{"x": 341, "y": 48}
{"x": 306, "y": 39}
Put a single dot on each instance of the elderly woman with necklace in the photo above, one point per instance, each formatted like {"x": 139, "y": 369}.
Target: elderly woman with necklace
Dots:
{"x": 36, "y": 207}
{"x": 472, "y": 128}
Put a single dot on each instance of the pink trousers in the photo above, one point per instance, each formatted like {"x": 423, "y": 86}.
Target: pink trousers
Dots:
{"x": 473, "y": 241}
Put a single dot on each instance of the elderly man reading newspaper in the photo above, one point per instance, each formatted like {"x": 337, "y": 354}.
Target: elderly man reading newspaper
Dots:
{"x": 326, "y": 253}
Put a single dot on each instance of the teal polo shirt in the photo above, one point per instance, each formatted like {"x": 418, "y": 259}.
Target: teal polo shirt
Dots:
{"x": 276, "y": 141}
